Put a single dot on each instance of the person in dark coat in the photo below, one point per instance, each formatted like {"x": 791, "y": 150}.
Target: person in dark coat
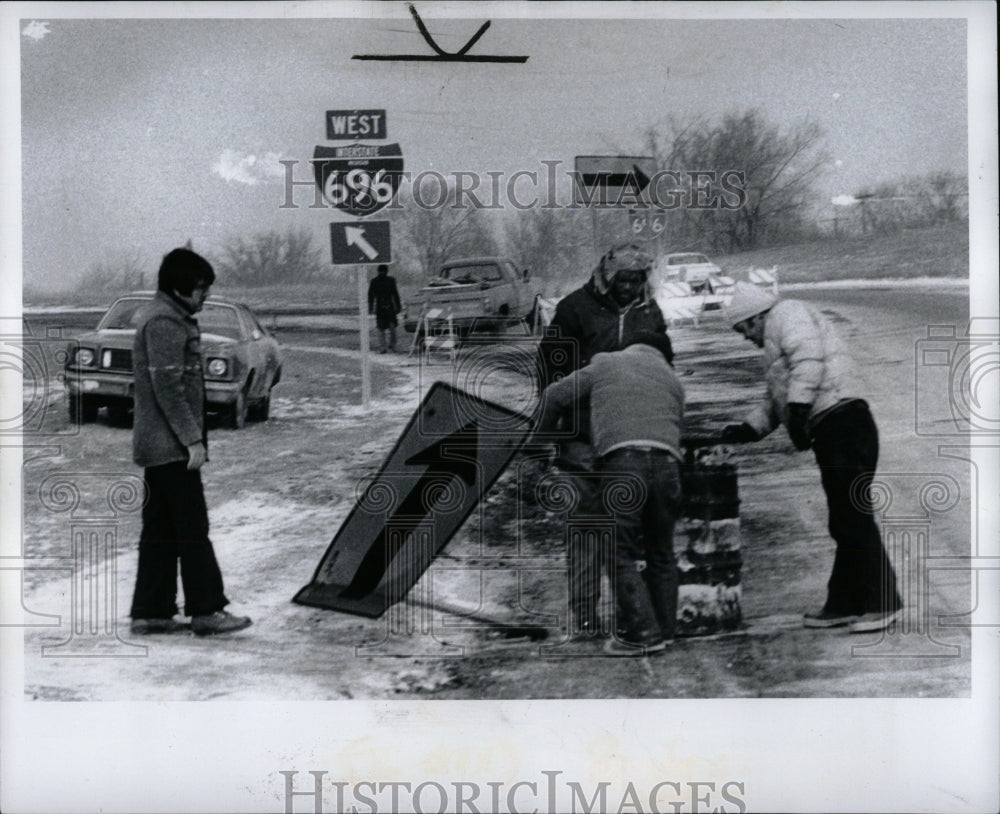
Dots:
{"x": 614, "y": 304}
{"x": 384, "y": 304}
{"x": 170, "y": 442}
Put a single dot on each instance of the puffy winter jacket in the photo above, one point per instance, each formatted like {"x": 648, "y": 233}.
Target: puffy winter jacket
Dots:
{"x": 806, "y": 364}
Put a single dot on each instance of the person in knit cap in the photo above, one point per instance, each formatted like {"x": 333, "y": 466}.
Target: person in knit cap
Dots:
{"x": 612, "y": 305}
{"x": 811, "y": 390}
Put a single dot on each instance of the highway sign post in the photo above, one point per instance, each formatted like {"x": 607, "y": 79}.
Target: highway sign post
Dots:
{"x": 610, "y": 182}
{"x": 359, "y": 179}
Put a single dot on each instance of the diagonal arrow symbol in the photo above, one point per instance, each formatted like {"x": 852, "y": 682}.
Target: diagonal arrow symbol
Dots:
{"x": 441, "y": 465}
{"x": 355, "y": 236}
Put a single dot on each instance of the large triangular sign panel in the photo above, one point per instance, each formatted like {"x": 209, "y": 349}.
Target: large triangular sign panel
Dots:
{"x": 452, "y": 450}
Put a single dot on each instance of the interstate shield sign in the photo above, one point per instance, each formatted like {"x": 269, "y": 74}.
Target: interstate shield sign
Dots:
{"x": 359, "y": 179}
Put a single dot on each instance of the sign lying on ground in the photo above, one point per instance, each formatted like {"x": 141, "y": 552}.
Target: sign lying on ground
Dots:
{"x": 358, "y": 242}
{"x": 452, "y": 450}
{"x": 611, "y": 180}
{"x": 359, "y": 179}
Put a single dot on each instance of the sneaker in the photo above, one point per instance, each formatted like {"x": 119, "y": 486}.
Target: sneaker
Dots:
{"x": 827, "y": 618}
{"x": 143, "y": 627}
{"x": 874, "y": 622}
{"x": 616, "y": 647}
{"x": 219, "y": 622}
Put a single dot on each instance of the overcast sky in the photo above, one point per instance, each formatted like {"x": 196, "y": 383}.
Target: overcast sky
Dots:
{"x": 141, "y": 134}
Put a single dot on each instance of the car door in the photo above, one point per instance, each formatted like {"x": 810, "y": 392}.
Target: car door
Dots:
{"x": 261, "y": 354}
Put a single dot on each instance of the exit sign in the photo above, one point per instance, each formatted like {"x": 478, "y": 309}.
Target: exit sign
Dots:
{"x": 355, "y": 124}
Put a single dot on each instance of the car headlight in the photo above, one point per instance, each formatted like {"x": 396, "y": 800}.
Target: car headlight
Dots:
{"x": 218, "y": 367}
{"x": 84, "y": 357}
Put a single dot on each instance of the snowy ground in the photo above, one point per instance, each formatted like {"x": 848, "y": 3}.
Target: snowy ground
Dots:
{"x": 277, "y": 493}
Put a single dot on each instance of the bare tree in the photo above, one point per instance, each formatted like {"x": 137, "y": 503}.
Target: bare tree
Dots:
{"x": 116, "y": 271}
{"x": 270, "y": 257}
{"x": 776, "y": 170}
{"x": 923, "y": 200}
{"x": 432, "y": 235}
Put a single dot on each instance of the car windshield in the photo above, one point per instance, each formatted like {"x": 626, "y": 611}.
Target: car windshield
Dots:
{"x": 121, "y": 315}
{"x": 220, "y": 320}
{"x": 685, "y": 259}
{"x": 488, "y": 272}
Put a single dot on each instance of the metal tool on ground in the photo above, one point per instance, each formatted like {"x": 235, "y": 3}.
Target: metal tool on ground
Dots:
{"x": 508, "y": 630}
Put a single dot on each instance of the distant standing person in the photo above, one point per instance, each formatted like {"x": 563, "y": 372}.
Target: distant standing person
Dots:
{"x": 169, "y": 440}
{"x": 810, "y": 391}
{"x": 595, "y": 318}
{"x": 384, "y": 303}
{"x": 636, "y": 412}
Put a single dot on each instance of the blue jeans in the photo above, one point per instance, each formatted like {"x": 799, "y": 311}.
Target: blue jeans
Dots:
{"x": 642, "y": 490}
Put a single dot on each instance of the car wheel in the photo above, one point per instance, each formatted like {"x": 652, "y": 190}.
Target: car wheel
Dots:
{"x": 261, "y": 409}
{"x": 238, "y": 412}
{"x": 118, "y": 414}
{"x": 82, "y": 409}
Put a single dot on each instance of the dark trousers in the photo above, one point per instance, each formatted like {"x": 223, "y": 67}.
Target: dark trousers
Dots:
{"x": 846, "y": 446}
{"x": 585, "y": 555}
{"x": 385, "y": 324}
{"x": 175, "y": 526}
{"x": 642, "y": 489}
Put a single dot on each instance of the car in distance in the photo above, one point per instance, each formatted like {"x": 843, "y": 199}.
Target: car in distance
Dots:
{"x": 476, "y": 293}
{"x": 241, "y": 362}
{"x": 692, "y": 268}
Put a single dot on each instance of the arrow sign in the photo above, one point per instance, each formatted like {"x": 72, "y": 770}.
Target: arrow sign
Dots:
{"x": 611, "y": 180}
{"x": 452, "y": 450}
{"x": 354, "y": 242}
{"x": 635, "y": 180}
{"x": 355, "y": 236}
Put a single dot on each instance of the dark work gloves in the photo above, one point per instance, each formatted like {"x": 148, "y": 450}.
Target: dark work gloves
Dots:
{"x": 798, "y": 419}
{"x": 738, "y": 434}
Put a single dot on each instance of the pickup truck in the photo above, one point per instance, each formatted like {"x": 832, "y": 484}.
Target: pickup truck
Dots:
{"x": 477, "y": 294}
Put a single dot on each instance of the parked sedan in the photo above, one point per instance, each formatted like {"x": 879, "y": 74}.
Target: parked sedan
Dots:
{"x": 240, "y": 359}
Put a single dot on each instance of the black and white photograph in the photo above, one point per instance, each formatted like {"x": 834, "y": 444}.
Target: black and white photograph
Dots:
{"x": 499, "y": 407}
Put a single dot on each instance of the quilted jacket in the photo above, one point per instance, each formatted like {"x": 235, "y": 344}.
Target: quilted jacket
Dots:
{"x": 806, "y": 364}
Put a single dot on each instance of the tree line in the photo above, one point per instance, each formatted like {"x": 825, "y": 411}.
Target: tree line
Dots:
{"x": 778, "y": 166}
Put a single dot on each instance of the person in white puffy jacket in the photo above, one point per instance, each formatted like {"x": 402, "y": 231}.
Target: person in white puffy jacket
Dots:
{"x": 811, "y": 390}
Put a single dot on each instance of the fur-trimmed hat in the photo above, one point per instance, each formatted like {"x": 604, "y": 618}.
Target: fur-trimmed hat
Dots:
{"x": 625, "y": 257}
{"x": 748, "y": 301}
